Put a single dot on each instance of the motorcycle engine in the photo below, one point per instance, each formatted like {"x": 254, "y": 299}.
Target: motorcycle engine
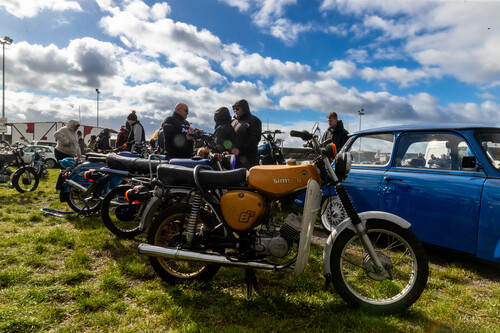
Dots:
{"x": 278, "y": 243}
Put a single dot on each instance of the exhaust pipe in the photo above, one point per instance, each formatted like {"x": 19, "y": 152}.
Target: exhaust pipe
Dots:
{"x": 178, "y": 254}
{"x": 75, "y": 184}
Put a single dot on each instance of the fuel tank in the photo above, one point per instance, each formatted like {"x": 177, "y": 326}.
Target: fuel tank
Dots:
{"x": 275, "y": 181}
{"x": 242, "y": 210}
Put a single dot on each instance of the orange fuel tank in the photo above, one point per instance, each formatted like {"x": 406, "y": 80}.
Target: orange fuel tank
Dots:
{"x": 242, "y": 210}
{"x": 278, "y": 180}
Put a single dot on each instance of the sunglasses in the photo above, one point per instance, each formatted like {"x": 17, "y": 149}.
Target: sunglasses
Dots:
{"x": 236, "y": 108}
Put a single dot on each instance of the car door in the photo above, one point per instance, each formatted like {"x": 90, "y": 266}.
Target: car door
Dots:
{"x": 438, "y": 198}
{"x": 371, "y": 155}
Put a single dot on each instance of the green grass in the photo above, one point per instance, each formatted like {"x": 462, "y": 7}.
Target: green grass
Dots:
{"x": 72, "y": 275}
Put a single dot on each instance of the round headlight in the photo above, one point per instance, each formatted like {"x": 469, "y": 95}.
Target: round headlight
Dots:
{"x": 343, "y": 163}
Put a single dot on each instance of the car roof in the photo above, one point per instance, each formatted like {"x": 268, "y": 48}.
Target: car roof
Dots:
{"x": 420, "y": 127}
{"x": 44, "y": 146}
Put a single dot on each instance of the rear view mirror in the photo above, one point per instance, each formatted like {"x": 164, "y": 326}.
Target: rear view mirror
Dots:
{"x": 469, "y": 162}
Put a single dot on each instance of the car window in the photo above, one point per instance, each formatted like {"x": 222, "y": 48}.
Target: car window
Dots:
{"x": 373, "y": 149}
{"x": 490, "y": 143}
{"x": 432, "y": 151}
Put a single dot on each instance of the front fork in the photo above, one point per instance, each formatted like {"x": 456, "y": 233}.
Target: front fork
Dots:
{"x": 360, "y": 229}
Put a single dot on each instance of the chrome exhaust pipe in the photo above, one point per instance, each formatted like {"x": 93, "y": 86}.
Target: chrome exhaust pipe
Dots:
{"x": 219, "y": 259}
{"x": 75, "y": 184}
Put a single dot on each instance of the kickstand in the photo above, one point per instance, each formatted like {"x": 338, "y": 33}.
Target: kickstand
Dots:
{"x": 251, "y": 281}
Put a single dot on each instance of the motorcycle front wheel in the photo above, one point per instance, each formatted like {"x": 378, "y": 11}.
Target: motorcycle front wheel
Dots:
{"x": 25, "y": 179}
{"x": 360, "y": 285}
{"x": 169, "y": 230}
{"x": 121, "y": 217}
{"x": 79, "y": 201}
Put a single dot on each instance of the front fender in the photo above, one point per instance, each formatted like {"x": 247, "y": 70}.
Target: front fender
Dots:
{"x": 346, "y": 224}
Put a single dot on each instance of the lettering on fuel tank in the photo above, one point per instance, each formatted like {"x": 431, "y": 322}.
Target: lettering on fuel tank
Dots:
{"x": 281, "y": 181}
{"x": 245, "y": 216}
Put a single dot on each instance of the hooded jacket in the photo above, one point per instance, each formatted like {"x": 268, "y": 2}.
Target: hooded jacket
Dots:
{"x": 67, "y": 139}
{"x": 224, "y": 135}
{"x": 103, "y": 141}
{"x": 248, "y": 130}
{"x": 337, "y": 135}
{"x": 177, "y": 145}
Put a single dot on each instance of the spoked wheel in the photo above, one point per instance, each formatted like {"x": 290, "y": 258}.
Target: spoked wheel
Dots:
{"x": 169, "y": 230}
{"x": 356, "y": 279}
{"x": 25, "y": 179}
{"x": 121, "y": 217}
{"x": 79, "y": 200}
{"x": 332, "y": 213}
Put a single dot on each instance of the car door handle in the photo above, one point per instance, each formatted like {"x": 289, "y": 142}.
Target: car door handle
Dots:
{"x": 388, "y": 179}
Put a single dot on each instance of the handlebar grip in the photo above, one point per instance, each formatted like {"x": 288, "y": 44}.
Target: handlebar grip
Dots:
{"x": 304, "y": 135}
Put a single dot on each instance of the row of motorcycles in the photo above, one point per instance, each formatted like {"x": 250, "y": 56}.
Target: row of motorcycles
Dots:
{"x": 201, "y": 214}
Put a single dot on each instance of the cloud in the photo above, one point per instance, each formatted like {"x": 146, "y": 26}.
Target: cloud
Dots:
{"x": 31, "y": 8}
{"x": 402, "y": 76}
{"x": 242, "y": 5}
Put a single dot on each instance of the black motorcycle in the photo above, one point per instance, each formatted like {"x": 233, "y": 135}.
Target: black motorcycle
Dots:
{"x": 269, "y": 151}
{"x": 24, "y": 178}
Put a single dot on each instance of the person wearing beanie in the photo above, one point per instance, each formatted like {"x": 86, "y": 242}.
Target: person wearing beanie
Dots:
{"x": 136, "y": 133}
{"x": 176, "y": 129}
{"x": 67, "y": 141}
{"x": 248, "y": 130}
{"x": 224, "y": 135}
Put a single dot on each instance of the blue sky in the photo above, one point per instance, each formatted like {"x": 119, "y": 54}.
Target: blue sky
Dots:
{"x": 294, "y": 61}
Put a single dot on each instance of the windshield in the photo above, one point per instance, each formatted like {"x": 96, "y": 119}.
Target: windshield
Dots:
{"x": 490, "y": 143}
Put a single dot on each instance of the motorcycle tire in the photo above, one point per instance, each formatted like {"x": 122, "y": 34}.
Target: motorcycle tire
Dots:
{"x": 77, "y": 201}
{"x": 168, "y": 230}
{"x": 25, "y": 179}
{"x": 332, "y": 213}
{"x": 357, "y": 282}
{"x": 120, "y": 216}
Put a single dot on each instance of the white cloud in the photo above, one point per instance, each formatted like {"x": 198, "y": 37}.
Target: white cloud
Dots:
{"x": 242, "y": 5}
{"x": 402, "y": 76}
{"x": 31, "y": 8}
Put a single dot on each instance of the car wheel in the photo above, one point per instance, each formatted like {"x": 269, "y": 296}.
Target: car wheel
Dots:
{"x": 332, "y": 213}
{"x": 50, "y": 163}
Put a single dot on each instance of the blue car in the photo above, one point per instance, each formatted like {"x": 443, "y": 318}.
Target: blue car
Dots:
{"x": 444, "y": 179}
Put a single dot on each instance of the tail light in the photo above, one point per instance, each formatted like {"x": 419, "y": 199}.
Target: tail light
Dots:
{"x": 92, "y": 175}
{"x": 137, "y": 194}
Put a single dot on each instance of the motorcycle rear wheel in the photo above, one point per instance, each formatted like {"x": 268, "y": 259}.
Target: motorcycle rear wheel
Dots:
{"x": 120, "y": 216}
{"x": 166, "y": 232}
{"x": 356, "y": 280}
{"x": 25, "y": 179}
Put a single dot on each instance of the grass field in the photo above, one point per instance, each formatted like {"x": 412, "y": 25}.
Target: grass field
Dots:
{"x": 72, "y": 275}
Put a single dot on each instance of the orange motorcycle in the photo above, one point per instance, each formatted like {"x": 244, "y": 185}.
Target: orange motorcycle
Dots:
{"x": 232, "y": 218}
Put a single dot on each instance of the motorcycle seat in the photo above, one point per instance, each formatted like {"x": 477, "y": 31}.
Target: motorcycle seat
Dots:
{"x": 6, "y": 158}
{"x": 134, "y": 165}
{"x": 180, "y": 175}
{"x": 95, "y": 157}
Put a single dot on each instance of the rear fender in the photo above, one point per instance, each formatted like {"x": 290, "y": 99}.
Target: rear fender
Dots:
{"x": 346, "y": 224}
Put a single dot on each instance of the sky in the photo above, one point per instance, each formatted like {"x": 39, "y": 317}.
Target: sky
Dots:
{"x": 294, "y": 61}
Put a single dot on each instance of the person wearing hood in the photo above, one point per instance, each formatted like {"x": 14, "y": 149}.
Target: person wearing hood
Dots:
{"x": 224, "y": 135}
{"x": 336, "y": 133}
{"x": 248, "y": 130}
{"x": 122, "y": 136}
{"x": 102, "y": 144}
{"x": 136, "y": 132}
{"x": 67, "y": 141}
{"x": 176, "y": 131}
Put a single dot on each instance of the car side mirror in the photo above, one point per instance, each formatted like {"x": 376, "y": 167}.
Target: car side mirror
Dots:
{"x": 469, "y": 162}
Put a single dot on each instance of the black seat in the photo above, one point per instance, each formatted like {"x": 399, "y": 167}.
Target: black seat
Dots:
{"x": 134, "y": 165}
{"x": 180, "y": 175}
{"x": 6, "y": 158}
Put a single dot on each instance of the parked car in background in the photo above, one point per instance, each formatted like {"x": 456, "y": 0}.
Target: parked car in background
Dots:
{"x": 444, "y": 179}
{"x": 44, "y": 143}
{"x": 47, "y": 153}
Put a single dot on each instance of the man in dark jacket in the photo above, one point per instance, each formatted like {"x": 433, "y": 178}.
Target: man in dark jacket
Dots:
{"x": 248, "y": 130}
{"x": 136, "y": 132}
{"x": 102, "y": 144}
{"x": 178, "y": 142}
{"x": 336, "y": 133}
{"x": 81, "y": 142}
{"x": 224, "y": 135}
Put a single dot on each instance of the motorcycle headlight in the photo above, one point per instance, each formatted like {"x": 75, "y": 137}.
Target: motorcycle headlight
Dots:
{"x": 343, "y": 163}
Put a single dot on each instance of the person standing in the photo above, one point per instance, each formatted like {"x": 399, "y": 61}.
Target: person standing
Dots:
{"x": 336, "y": 133}
{"x": 248, "y": 130}
{"x": 122, "y": 137}
{"x": 81, "y": 142}
{"x": 92, "y": 142}
{"x": 136, "y": 133}
{"x": 102, "y": 144}
{"x": 224, "y": 135}
{"x": 176, "y": 131}
{"x": 67, "y": 141}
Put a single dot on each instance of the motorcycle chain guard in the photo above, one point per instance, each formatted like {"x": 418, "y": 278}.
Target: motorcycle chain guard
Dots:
{"x": 311, "y": 209}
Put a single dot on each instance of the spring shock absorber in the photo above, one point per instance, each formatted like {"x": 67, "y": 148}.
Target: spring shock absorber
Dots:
{"x": 347, "y": 203}
{"x": 193, "y": 218}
